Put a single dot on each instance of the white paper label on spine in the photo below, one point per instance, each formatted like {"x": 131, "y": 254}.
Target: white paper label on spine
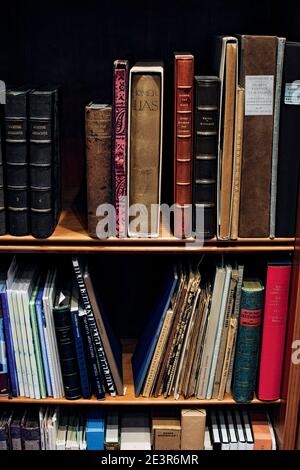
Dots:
{"x": 292, "y": 93}
{"x": 259, "y": 95}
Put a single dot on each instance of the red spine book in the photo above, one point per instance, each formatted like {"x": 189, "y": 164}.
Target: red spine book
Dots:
{"x": 274, "y": 330}
{"x": 183, "y": 144}
{"x": 120, "y": 102}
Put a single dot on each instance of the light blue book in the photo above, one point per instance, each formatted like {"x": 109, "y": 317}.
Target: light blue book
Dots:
{"x": 41, "y": 325}
{"x": 95, "y": 430}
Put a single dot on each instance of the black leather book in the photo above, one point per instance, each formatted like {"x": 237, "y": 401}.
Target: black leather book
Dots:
{"x": 2, "y": 198}
{"x": 45, "y": 185}
{"x": 16, "y": 159}
{"x": 207, "y": 96}
{"x": 66, "y": 343}
{"x": 289, "y": 144}
{"x": 31, "y": 437}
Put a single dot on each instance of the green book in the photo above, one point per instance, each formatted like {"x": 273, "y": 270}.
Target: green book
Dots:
{"x": 36, "y": 342}
{"x": 248, "y": 341}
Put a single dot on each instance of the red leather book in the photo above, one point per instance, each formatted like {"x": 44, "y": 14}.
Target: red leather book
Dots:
{"x": 274, "y": 330}
{"x": 183, "y": 144}
{"x": 120, "y": 104}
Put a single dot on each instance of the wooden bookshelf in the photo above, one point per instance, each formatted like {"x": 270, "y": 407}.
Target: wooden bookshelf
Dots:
{"x": 129, "y": 397}
{"x": 71, "y": 236}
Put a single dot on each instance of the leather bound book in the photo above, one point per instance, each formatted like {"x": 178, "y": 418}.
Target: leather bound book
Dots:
{"x": 66, "y": 344}
{"x": 119, "y": 142}
{"x": 289, "y": 141}
{"x": 248, "y": 341}
{"x": 257, "y": 72}
{"x": 207, "y": 99}
{"x": 183, "y": 144}
{"x": 31, "y": 438}
{"x": 16, "y": 156}
{"x": 145, "y": 147}
{"x": 98, "y": 118}
{"x": 274, "y": 329}
{"x": 44, "y": 168}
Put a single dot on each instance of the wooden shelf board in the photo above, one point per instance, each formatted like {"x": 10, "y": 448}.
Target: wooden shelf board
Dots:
{"x": 70, "y": 236}
{"x": 129, "y": 397}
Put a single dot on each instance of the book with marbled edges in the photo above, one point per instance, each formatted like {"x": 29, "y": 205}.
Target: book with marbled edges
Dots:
{"x": 119, "y": 142}
{"x": 248, "y": 340}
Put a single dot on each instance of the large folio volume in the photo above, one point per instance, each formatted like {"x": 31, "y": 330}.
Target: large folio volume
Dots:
{"x": 289, "y": 142}
{"x": 145, "y": 148}
{"x": 44, "y": 168}
{"x": 207, "y": 92}
{"x": 2, "y": 199}
{"x": 258, "y": 68}
{"x": 183, "y": 144}
{"x": 98, "y": 160}
{"x": 119, "y": 142}
{"x": 17, "y": 161}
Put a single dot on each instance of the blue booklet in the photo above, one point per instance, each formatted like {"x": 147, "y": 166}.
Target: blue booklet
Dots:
{"x": 41, "y": 325}
{"x": 145, "y": 347}
{"x": 95, "y": 430}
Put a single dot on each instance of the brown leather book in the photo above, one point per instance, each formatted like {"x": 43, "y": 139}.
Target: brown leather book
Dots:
{"x": 145, "y": 148}
{"x": 261, "y": 431}
{"x": 228, "y": 139}
{"x": 183, "y": 143}
{"x": 98, "y": 160}
{"x": 258, "y": 68}
{"x": 237, "y": 164}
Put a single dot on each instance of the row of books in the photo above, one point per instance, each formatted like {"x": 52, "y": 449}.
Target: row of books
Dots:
{"x": 55, "y": 337}
{"x": 208, "y": 334}
{"x": 30, "y": 200}
{"x": 50, "y": 428}
{"x": 207, "y": 337}
{"x": 234, "y": 136}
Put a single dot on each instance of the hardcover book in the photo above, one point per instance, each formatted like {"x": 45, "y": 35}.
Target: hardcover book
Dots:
{"x": 248, "y": 341}
{"x": 257, "y": 76}
{"x": 145, "y": 131}
{"x": 16, "y": 149}
{"x": 98, "y": 126}
{"x": 207, "y": 99}
{"x": 44, "y": 160}
{"x": 183, "y": 143}
{"x": 119, "y": 142}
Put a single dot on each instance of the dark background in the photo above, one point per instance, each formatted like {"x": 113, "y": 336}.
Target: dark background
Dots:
{"x": 75, "y": 42}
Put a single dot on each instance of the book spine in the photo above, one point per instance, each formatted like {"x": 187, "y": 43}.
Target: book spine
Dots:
{"x": 98, "y": 161}
{"x": 84, "y": 379}
{"x": 227, "y": 358}
{"x": 145, "y": 134}
{"x": 274, "y": 328}
{"x": 37, "y": 348}
{"x": 3, "y": 357}
{"x": 205, "y": 154}
{"x": 119, "y": 142}
{"x": 43, "y": 162}
{"x": 9, "y": 346}
{"x": 17, "y": 162}
{"x": 237, "y": 166}
{"x": 258, "y": 71}
{"x": 183, "y": 145}
{"x": 247, "y": 347}
{"x": 41, "y": 326}
{"x": 93, "y": 329}
{"x": 277, "y": 99}
{"x": 67, "y": 353}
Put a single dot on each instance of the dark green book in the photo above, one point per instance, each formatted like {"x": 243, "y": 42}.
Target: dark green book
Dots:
{"x": 248, "y": 341}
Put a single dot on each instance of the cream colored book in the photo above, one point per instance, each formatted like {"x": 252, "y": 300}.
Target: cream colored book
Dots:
{"x": 158, "y": 352}
{"x": 227, "y": 358}
{"x": 237, "y": 163}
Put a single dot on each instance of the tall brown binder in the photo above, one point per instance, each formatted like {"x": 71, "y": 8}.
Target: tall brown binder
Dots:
{"x": 257, "y": 72}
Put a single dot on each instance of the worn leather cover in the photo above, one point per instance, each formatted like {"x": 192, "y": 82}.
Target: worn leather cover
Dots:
{"x": 258, "y": 57}
{"x": 44, "y": 160}
{"x": 145, "y": 119}
{"x": 98, "y": 160}
{"x": 207, "y": 99}
{"x": 183, "y": 143}
{"x": 119, "y": 142}
{"x": 289, "y": 143}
